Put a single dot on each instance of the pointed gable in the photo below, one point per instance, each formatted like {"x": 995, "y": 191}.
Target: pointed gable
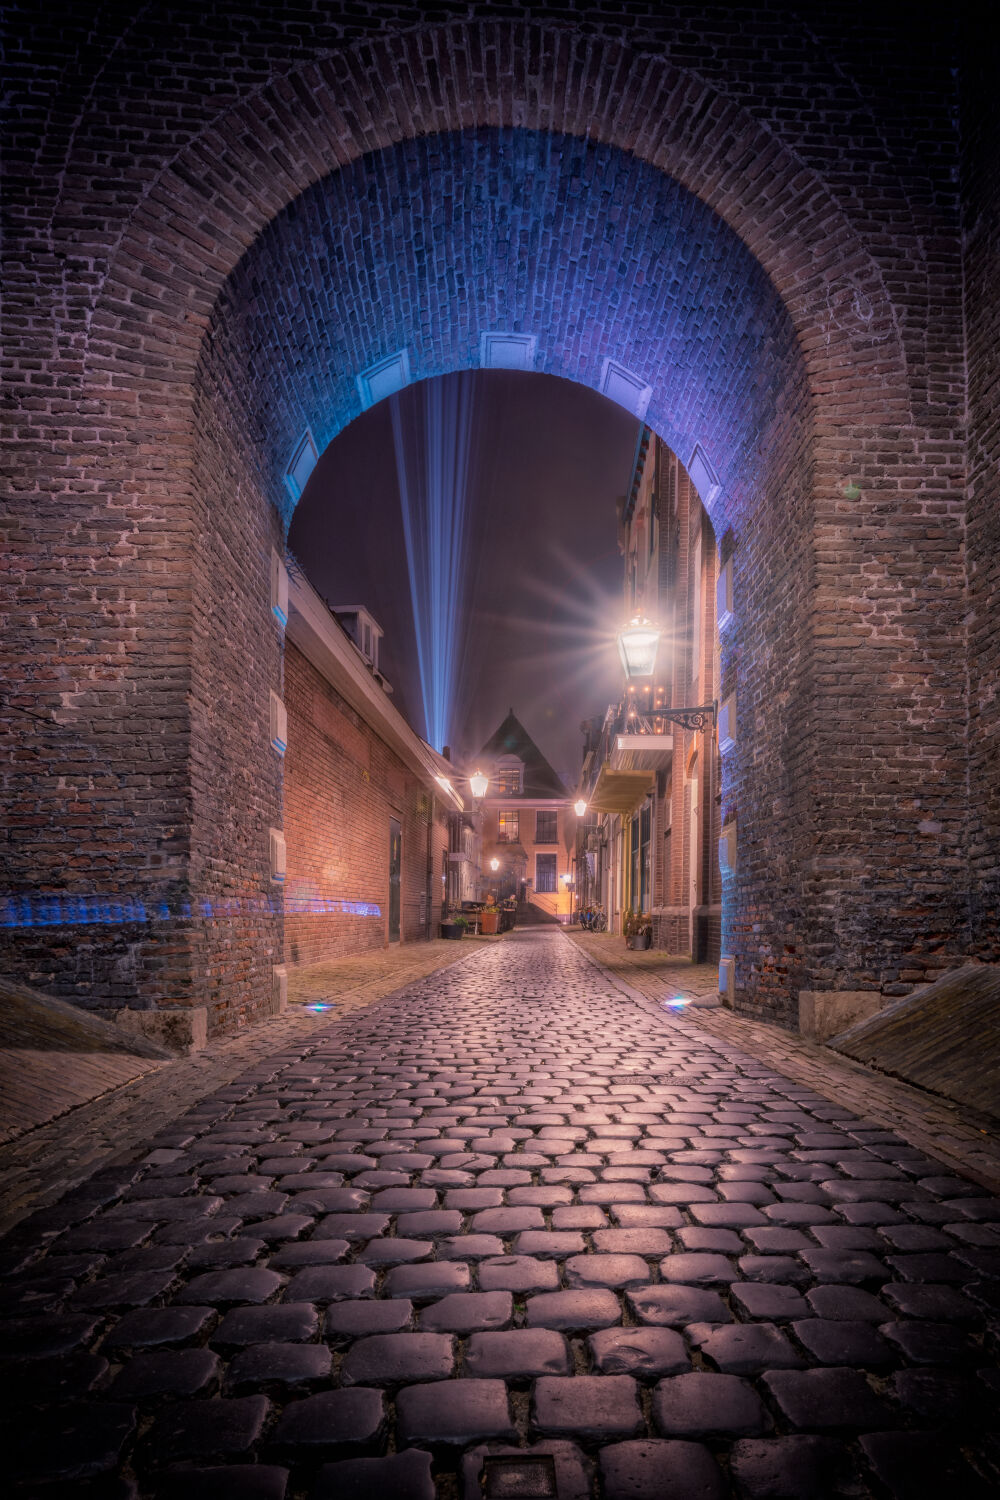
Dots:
{"x": 511, "y": 738}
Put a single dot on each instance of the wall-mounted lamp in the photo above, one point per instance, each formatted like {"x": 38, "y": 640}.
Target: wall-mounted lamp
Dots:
{"x": 479, "y": 785}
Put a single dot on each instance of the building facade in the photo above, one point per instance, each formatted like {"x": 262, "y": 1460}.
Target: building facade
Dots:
{"x": 369, "y": 806}
{"x": 529, "y": 827}
{"x": 651, "y": 842}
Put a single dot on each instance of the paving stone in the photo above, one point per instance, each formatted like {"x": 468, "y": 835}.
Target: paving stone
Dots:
{"x": 613, "y": 1271}
{"x": 40, "y": 1337}
{"x": 851, "y": 1266}
{"x": 517, "y": 1354}
{"x": 351, "y": 1226}
{"x": 152, "y": 1326}
{"x": 225, "y": 1482}
{"x": 638, "y": 1241}
{"x": 701, "y": 1404}
{"x": 45, "y": 1382}
{"x": 184, "y": 1372}
{"x": 798, "y": 1467}
{"x": 394, "y": 1251}
{"x": 424, "y": 1225}
{"x": 507, "y": 1221}
{"x": 573, "y": 1310}
{"x": 283, "y": 1323}
{"x": 579, "y": 1216}
{"x": 848, "y": 1303}
{"x": 117, "y": 1292}
{"x": 400, "y": 1476}
{"x": 929, "y": 1343}
{"x": 842, "y": 1342}
{"x": 398, "y": 1359}
{"x": 595, "y": 1407}
{"x": 223, "y": 1288}
{"x": 208, "y": 1429}
{"x": 693, "y": 1268}
{"x": 645, "y": 1215}
{"x": 330, "y": 1421}
{"x": 468, "y": 1312}
{"x": 719, "y": 1241}
{"x": 726, "y": 1215}
{"x": 518, "y": 1273}
{"x": 817, "y": 1400}
{"x": 84, "y": 1441}
{"x": 470, "y": 1247}
{"x": 773, "y": 1302}
{"x": 911, "y": 1465}
{"x": 427, "y": 1280}
{"x": 657, "y": 1468}
{"x": 548, "y": 1244}
{"x": 939, "y": 1304}
{"x": 676, "y": 1306}
{"x": 638, "y": 1351}
{"x": 943, "y": 1398}
{"x": 746, "y": 1348}
{"x": 456, "y": 1412}
{"x": 311, "y": 1253}
{"x": 288, "y": 1366}
{"x": 356, "y": 1319}
{"x": 775, "y": 1268}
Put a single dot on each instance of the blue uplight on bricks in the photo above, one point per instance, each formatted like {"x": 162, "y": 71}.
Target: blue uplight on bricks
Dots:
{"x": 44, "y": 910}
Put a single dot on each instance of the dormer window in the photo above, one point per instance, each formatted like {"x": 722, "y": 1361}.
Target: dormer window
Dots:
{"x": 510, "y": 777}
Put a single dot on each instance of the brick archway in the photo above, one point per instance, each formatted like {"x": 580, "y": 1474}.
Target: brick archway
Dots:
{"x": 192, "y": 466}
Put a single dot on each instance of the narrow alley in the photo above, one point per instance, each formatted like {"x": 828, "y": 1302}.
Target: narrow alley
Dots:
{"x": 507, "y": 1234}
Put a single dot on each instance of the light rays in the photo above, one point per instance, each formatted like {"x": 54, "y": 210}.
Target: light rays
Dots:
{"x": 432, "y": 464}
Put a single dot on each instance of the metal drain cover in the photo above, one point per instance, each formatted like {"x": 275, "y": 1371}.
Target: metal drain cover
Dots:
{"x": 520, "y": 1478}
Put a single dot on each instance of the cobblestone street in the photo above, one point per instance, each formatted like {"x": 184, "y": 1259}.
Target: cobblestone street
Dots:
{"x": 509, "y": 1234}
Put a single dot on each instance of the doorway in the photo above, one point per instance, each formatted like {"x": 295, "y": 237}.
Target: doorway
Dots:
{"x": 395, "y": 869}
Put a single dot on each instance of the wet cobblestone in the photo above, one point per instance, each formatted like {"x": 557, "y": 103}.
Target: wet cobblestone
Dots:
{"x": 455, "y": 1230}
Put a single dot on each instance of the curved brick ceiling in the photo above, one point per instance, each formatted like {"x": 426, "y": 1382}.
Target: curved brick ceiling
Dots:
{"x": 427, "y": 245}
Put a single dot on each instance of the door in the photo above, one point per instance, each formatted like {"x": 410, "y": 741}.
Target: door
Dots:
{"x": 694, "y": 871}
{"x": 395, "y": 867}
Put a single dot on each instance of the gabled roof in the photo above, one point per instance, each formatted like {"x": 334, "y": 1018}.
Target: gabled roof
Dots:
{"x": 513, "y": 739}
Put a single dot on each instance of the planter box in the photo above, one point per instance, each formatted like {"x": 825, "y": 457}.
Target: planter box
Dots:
{"x": 489, "y": 921}
{"x": 641, "y": 940}
{"x": 452, "y": 930}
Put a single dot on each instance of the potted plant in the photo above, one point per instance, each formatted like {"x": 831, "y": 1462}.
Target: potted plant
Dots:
{"x": 489, "y": 918}
{"x": 454, "y": 926}
{"x": 638, "y": 929}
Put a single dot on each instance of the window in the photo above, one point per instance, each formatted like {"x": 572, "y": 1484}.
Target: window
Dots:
{"x": 509, "y": 832}
{"x": 545, "y": 872}
{"x": 546, "y": 828}
{"x": 510, "y": 775}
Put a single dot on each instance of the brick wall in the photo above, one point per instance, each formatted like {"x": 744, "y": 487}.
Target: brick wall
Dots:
{"x": 981, "y": 183}
{"x": 214, "y": 222}
{"x": 342, "y": 786}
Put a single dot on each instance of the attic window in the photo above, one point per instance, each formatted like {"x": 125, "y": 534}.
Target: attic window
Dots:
{"x": 510, "y": 777}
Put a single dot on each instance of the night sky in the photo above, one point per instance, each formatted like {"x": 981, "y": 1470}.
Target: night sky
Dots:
{"x": 548, "y": 459}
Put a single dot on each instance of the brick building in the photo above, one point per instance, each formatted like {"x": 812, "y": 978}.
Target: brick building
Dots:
{"x": 654, "y": 785}
{"x": 771, "y": 236}
{"x": 529, "y": 826}
{"x": 367, "y": 803}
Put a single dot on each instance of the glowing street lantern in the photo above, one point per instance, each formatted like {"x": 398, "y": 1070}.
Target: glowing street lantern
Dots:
{"x": 479, "y": 784}
{"x": 494, "y": 865}
{"x": 579, "y": 807}
{"x": 637, "y": 644}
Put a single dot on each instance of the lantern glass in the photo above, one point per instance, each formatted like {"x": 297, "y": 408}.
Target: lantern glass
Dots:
{"x": 637, "y": 644}
{"x": 494, "y": 864}
{"x": 479, "y": 784}
{"x": 580, "y": 807}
